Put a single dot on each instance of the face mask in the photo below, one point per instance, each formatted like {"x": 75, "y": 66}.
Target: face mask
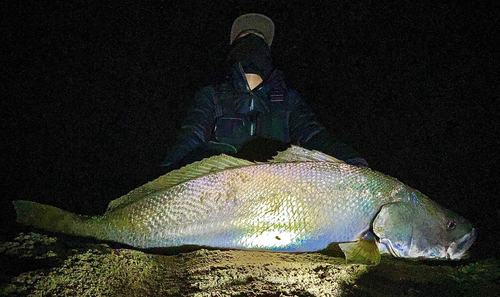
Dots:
{"x": 253, "y": 53}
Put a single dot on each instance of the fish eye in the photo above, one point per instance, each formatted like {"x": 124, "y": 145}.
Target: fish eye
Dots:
{"x": 451, "y": 225}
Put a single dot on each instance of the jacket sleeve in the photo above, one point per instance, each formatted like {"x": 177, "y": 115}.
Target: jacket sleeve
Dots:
{"x": 307, "y": 132}
{"x": 196, "y": 129}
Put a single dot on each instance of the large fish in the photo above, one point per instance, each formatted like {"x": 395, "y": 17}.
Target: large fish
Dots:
{"x": 300, "y": 201}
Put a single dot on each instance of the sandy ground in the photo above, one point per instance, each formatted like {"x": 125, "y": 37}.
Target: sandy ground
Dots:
{"x": 40, "y": 265}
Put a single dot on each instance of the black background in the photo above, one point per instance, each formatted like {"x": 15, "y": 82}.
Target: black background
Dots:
{"x": 93, "y": 93}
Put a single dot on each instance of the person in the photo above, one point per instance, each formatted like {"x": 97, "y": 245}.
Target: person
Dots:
{"x": 251, "y": 101}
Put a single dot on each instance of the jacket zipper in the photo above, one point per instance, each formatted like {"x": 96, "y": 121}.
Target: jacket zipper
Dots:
{"x": 252, "y": 122}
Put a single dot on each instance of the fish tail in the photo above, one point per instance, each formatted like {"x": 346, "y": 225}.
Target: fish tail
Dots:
{"x": 51, "y": 218}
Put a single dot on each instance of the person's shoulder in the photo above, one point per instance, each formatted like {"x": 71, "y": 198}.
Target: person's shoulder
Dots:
{"x": 280, "y": 78}
{"x": 209, "y": 87}
{"x": 208, "y": 90}
{"x": 221, "y": 82}
{"x": 293, "y": 95}
{"x": 204, "y": 95}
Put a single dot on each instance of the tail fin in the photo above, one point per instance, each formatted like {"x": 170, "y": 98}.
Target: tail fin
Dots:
{"x": 50, "y": 218}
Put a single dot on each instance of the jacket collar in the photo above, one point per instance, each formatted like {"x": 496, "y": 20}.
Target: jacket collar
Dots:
{"x": 247, "y": 100}
{"x": 240, "y": 83}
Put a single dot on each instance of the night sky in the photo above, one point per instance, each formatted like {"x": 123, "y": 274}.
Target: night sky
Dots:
{"x": 93, "y": 93}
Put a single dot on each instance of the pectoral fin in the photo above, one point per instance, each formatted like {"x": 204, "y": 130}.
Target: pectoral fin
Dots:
{"x": 361, "y": 251}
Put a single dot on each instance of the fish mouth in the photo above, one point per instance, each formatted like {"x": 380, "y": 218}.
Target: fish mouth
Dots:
{"x": 458, "y": 249}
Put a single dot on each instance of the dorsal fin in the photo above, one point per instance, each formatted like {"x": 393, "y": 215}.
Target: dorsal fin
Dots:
{"x": 186, "y": 173}
{"x": 299, "y": 154}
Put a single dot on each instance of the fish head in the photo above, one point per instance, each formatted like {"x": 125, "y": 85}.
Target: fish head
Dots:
{"x": 420, "y": 228}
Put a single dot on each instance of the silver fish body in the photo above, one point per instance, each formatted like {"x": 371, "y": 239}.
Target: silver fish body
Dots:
{"x": 302, "y": 201}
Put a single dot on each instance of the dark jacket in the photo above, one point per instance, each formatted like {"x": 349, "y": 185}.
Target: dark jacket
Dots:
{"x": 227, "y": 114}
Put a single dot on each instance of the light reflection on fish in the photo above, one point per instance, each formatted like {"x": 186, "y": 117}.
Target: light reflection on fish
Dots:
{"x": 300, "y": 201}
